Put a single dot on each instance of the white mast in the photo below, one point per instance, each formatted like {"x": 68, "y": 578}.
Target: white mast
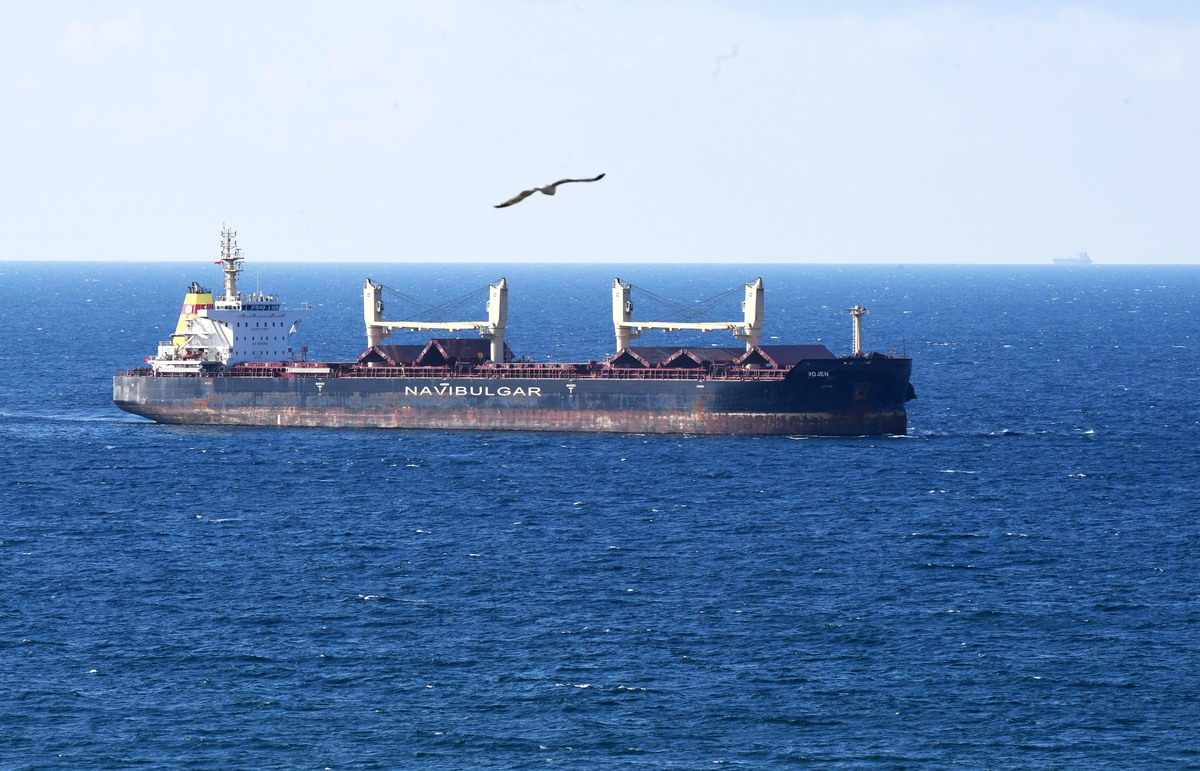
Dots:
{"x": 623, "y": 314}
{"x": 752, "y": 309}
{"x": 857, "y": 312}
{"x": 231, "y": 258}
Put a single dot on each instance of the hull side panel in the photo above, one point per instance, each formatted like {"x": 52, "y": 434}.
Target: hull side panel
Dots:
{"x": 828, "y": 399}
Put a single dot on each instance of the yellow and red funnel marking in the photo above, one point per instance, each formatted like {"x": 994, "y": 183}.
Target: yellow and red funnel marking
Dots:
{"x": 192, "y": 303}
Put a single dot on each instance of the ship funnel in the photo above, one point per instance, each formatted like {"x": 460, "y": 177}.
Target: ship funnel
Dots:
{"x": 197, "y": 299}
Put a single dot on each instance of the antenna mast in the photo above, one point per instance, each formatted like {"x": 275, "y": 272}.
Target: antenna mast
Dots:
{"x": 231, "y": 259}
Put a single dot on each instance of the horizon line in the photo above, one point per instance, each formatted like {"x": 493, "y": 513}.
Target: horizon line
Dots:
{"x": 377, "y": 261}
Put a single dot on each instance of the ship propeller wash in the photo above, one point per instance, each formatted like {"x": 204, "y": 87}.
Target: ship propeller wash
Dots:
{"x": 231, "y": 361}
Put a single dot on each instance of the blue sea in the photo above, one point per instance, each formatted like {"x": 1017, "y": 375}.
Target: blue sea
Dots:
{"x": 1013, "y": 584}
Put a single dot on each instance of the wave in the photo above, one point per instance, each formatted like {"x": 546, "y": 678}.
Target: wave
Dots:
{"x": 72, "y": 417}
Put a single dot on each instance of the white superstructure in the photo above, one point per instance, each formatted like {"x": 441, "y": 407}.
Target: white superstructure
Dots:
{"x": 233, "y": 329}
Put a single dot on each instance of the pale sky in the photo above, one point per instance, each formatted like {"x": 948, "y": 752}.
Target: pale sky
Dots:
{"x": 738, "y": 131}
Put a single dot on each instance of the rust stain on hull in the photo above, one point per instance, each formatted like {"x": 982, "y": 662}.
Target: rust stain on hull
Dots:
{"x": 802, "y": 424}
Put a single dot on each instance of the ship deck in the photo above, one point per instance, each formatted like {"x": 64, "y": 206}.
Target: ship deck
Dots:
{"x": 523, "y": 371}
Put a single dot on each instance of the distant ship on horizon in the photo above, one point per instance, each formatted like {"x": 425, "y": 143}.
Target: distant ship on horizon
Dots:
{"x": 1080, "y": 259}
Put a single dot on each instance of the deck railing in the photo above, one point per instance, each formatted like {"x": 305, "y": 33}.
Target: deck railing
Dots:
{"x": 535, "y": 372}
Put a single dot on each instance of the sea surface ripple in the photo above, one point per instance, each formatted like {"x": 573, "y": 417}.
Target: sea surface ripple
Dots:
{"x": 1014, "y": 583}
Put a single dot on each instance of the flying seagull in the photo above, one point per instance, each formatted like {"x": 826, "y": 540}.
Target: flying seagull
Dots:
{"x": 547, "y": 189}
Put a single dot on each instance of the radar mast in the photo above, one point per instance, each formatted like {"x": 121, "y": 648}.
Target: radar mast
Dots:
{"x": 230, "y": 262}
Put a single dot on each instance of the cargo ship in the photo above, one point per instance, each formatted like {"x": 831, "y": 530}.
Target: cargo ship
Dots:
{"x": 230, "y": 361}
{"x": 1082, "y": 258}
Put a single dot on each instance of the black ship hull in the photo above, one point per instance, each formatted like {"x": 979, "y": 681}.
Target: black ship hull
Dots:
{"x": 851, "y": 396}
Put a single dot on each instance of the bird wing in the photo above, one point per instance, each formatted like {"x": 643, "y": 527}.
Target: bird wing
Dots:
{"x": 547, "y": 189}
{"x": 521, "y": 196}
{"x": 564, "y": 181}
